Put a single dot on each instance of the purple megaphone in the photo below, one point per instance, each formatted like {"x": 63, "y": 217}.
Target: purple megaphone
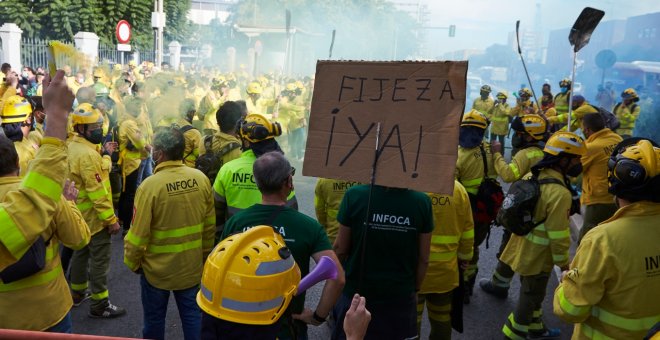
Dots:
{"x": 325, "y": 269}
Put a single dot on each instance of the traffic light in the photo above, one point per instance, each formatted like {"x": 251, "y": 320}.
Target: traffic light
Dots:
{"x": 452, "y": 31}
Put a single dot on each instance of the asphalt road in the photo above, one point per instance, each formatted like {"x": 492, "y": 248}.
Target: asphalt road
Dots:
{"x": 483, "y": 317}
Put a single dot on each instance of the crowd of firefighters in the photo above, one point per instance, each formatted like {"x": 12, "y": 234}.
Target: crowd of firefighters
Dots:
{"x": 126, "y": 120}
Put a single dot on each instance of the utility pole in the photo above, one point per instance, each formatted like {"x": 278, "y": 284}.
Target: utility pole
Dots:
{"x": 158, "y": 23}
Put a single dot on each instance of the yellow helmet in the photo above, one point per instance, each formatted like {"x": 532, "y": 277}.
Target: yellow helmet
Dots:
{"x": 299, "y": 84}
{"x": 132, "y": 63}
{"x": 502, "y": 95}
{"x": 533, "y": 124}
{"x": 256, "y": 128}
{"x": 566, "y": 142}
{"x": 98, "y": 73}
{"x": 254, "y": 88}
{"x": 86, "y": 114}
{"x": 16, "y": 110}
{"x": 263, "y": 81}
{"x": 291, "y": 87}
{"x": 525, "y": 93}
{"x": 249, "y": 278}
{"x": 565, "y": 82}
{"x": 117, "y": 67}
{"x": 629, "y": 93}
{"x": 636, "y": 163}
{"x": 475, "y": 118}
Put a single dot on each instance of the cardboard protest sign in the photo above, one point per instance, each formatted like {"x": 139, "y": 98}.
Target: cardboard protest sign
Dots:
{"x": 419, "y": 107}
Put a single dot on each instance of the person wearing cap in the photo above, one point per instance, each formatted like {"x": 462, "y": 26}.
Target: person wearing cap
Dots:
{"x": 525, "y": 104}
{"x": 561, "y": 101}
{"x": 303, "y": 235}
{"x": 292, "y": 115}
{"x": 499, "y": 118}
{"x": 612, "y": 288}
{"x": 534, "y": 255}
{"x": 16, "y": 119}
{"x": 627, "y": 111}
{"x": 597, "y": 201}
{"x": 530, "y": 131}
{"x": 470, "y": 173}
{"x": 234, "y": 186}
{"x": 255, "y": 103}
{"x": 171, "y": 235}
{"x": 485, "y": 102}
{"x": 91, "y": 264}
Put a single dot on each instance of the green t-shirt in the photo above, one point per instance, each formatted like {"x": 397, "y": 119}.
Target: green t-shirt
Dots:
{"x": 303, "y": 235}
{"x": 397, "y": 217}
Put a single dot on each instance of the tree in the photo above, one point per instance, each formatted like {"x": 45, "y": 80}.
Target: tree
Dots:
{"x": 61, "y": 19}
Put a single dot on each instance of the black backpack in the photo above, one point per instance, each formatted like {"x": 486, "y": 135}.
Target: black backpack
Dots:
{"x": 517, "y": 212}
{"x": 610, "y": 119}
{"x": 32, "y": 262}
{"x": 489, "y": 196}
{"x": 210, "y": 162}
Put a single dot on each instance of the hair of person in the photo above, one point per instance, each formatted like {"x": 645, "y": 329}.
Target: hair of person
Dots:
{"x": 227, "y": 116}
{"x": 86, "y": 95}
{"x": 271, "y": 171}
{"x": 171, "y": 142}
{"x": 244, "y": 109}
{"x": 593, "y": 121}
{"x": 133, "y": 106}
{"x": 5, "y": 67}
{"x": 8, "y": 156}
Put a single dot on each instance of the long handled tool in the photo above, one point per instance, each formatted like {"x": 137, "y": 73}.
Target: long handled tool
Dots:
{"x": 366, "y": 219}
{"x": 332, "y": 43}
{"x": 525, "y": 66}
{"x": 579, "y": 37}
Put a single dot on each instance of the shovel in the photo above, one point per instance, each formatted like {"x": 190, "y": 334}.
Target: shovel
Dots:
{"x": 579, "y": 37}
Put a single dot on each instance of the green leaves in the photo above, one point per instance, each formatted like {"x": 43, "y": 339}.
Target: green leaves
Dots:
{"x": 61, "y": 19}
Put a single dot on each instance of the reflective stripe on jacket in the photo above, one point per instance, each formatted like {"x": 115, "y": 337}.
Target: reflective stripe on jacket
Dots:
{"x": 613, "y": 287}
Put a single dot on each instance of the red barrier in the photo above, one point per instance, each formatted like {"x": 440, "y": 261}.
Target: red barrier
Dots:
{"x": 22, "y": 335}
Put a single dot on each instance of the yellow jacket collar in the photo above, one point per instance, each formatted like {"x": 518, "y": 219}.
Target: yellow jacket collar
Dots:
{"x": 641, "y": 208}
{"x": 82, "y": 140}
{"x": 598, "y": 134}
{"x": 168, "y": 164}
{"x": 10, "y": 180}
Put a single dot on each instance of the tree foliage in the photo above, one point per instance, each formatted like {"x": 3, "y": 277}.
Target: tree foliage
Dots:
{"x": 366, "y": 29}
{"x": 61, "y": 19}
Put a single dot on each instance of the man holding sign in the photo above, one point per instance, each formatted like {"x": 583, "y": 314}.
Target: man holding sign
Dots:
{"x": 385, "y": 229}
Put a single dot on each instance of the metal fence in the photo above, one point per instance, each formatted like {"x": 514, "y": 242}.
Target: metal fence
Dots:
{"x": 34, "y": 53}
{"x": 109, "y": 53}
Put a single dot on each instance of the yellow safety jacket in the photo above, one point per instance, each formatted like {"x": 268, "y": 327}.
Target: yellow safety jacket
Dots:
{"x": 327, "y": 198}
{"x": 219, "y": 141}
{"x": 561, "y": 102}
{"x": 173, "y": 228}
{"x": 129, "y": 132}
{"x": 612, "y": 290}
{"x": 291, "y": 115}
{"x": 521, "y": 109}
{"x": 470, "y": 167}
{"x": 144, "y": 123}
{"x": 259, "y": 106}
{"x": 236, "y": 188}
{"x": 91, "y": 172}
{"x": 594, "y": 167}
{"x": 450, "y": 243}
{"x": 27, "y": 150}
{"x": 40, "y": 301}
{"x": 576, "y": 118}
{"x": 499, "y": 119}
{"x": 193, "y": 139}
{"x": 626, "y": 117}
{"x": 25, "y": 213}
{"x": 207, "y": 108}
{"x": 547, "y": 244}
{"x": 520, "y": 165}
{"x": 483, "y": 106}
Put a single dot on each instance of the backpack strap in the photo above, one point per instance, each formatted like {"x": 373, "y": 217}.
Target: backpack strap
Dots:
{"x": 551, "y": 181}
{"x": 483, "y": 158}
{"x": 228, "y": 148}
{"x": 616, "y": 107}
{"x": 186, "y": 128}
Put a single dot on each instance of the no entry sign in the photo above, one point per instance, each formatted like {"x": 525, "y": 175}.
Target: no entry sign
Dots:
{"x": 123, "y": 32}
